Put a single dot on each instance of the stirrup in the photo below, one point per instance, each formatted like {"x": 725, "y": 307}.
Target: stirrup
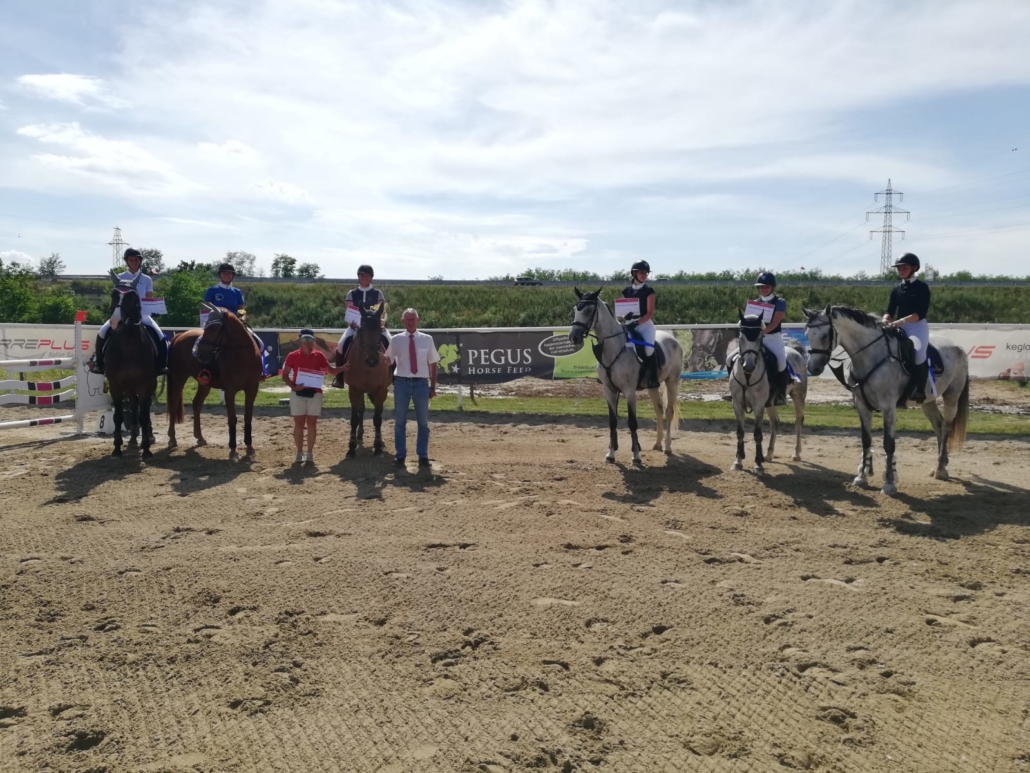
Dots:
{"x": 204, "y": 377}
{"x": 95, "y": 367}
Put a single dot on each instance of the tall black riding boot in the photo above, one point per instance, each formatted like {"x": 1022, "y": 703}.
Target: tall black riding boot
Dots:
{"x": 96, "y": 364}
{"x": 922, "y": 373}
{"x": 652, "y": 372}
{"x": 341, "y": 357}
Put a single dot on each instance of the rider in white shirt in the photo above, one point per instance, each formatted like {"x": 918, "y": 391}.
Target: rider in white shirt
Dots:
{"x": 145, "y": 289}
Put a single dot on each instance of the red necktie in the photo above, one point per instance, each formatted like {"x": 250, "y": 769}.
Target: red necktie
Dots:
{"x": 411, "y": 354}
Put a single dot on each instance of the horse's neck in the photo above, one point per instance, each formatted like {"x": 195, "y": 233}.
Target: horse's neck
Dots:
{"x": 857, "y": 339}
{"x": 613, "y": 337}
{"x": 237, "y": 333}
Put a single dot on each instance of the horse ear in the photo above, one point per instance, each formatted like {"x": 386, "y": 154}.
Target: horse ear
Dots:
{"x": 136, "y": 280}
{"x": 577, "y": 292}
{"x": 598, "y": 293}
{"x": 115, "y": 277}
{"x": 807, "y": 312}
{"x": 740, "y": 315}
{"x": 826, "y": 311}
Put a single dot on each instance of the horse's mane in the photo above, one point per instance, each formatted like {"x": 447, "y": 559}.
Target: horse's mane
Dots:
{"x": 855, "y": 315}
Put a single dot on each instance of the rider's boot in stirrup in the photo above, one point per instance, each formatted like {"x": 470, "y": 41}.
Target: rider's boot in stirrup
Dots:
{"x": 652, "y": 372}
{"x": 918, "y": 394}
{"x": 96, "y": 363}
{"x": 782, "y": 383}
{"x": 338, "y": 382}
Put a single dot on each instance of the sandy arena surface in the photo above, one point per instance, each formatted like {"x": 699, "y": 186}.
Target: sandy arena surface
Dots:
{"x": 521, "y": 607}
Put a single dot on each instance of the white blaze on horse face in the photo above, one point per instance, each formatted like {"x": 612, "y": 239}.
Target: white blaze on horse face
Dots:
{"x": 116, "y": 316}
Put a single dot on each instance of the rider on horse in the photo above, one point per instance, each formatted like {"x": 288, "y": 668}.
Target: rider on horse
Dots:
{"x": 639, "y": 323}
{"x": 145, "y": 289}
{"x": 363, "y": 297}
{"x": 230, "y": 298}
{"x": 772, "y": 335}
{"x": 909, "y": 304}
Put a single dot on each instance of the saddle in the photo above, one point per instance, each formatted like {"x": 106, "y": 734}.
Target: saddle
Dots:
{"x": 908, "y": 354}
{"x": 157, "y": 344}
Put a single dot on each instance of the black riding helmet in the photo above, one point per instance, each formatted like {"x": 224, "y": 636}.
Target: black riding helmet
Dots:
{"x": 227, "y": 267}
{"x": 766, "y": 278}
{"x": 132, "y": 252}
{"x": 640, "y": 265}
{"x": 908, "y": 259}
{"x": 364, "y": 268}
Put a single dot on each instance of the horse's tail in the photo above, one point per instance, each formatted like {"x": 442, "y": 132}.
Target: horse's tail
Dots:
{"x": 174, "y": 407}
{"x": 958, "y": 427}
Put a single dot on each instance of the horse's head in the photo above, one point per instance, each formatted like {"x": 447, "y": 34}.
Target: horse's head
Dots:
{"x": 822, "y": 339}
{"x": 749, "y": 342}
{"x": 125, "y": 303}
{"x": 584, "y": 314}
{"x": 369, "y": 334}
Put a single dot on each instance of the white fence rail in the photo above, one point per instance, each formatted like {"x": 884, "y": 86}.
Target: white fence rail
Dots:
{"x": 52, "y": 396}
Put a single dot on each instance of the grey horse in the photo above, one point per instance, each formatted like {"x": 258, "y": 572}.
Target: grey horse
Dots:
{"x": 749, "y": 388}
{"x": 619, "y": 372}
{"x": 879, "y": 382}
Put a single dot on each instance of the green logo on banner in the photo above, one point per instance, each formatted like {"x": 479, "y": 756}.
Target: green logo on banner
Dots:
{"x": 449, "y": 356}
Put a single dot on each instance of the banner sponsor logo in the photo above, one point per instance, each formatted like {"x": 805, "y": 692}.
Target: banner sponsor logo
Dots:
{"x": 559, "y": 346}
{"x": 981, "y": 352}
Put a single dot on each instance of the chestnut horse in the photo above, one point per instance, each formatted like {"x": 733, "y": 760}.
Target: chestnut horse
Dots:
{"x": 368, "y": 373}
{"x": 227, "y": 349}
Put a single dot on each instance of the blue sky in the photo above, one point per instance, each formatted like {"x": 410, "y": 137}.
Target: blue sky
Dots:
{"x": 471, "y": 139}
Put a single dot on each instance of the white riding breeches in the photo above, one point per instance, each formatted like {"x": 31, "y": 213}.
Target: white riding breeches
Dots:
{"x": 146, "y": 320}
{"x": 774, "y": 343}
{"x": 349, "y": 333}
{"x": 919, "y": 334}
{"x": 645, "y": 332}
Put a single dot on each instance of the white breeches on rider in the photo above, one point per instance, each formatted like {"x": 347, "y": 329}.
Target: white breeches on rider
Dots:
{"x": 116, "y": 318}
{"x": 774, "y": 343}
{"x": 349, "y": 333}
{"x": 645, "y": 332}
{"x": 919, "y": 334}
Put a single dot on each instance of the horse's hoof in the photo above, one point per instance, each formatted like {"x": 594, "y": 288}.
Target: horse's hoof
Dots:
{"x": 668, "y": 452}
{"x": 758, "y": 470}
{"x": 377, "y": 452}
{"x": 351, "y": 454}
{"x": 201, "y": 442}
{"x": 656, "y": 447}
{"x": 889, "y": 489}
{"x": 940, "y": 474}
{"x": 116, "y": 452}
{"x": 796, "y": 458}
{"x": 251, "y": 452}
{"x": 637, "y": 461}
{"x": 147, "y": 453}
{"x": 610, "y": 459}
{"x": 172, "y": 443}
{"x": 860, "y": 482}
{"x": 234, "y": 456}
{"x": 133, "y": 444}
{"x": 737, "y": 466}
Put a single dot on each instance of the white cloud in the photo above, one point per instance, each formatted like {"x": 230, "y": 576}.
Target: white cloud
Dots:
{"x": 9, "y": 256}
{"x": 230, "y": 149}
{"x": 68, "y": 87}
{"x": 119, "y": 163}
{"x": 283, "y": 191}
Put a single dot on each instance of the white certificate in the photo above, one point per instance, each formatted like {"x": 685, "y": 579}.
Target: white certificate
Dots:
{"x": 153, "y": 306}
{"x": 353, "y": 314}
{"x": 759, "y": 309}
{"x": 627, "y": 306}
{"x": 310, "y": 379}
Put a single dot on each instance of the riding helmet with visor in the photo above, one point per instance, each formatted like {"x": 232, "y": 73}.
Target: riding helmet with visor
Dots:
{"x": 766, "y": 278}
{"x": 640, "y": 265}
{"x": 908, "y": 259}
{"x": 227, "y": 267}
{"x": 364, "y": 268}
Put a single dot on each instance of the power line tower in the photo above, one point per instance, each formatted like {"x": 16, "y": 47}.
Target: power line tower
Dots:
{"x": 888, "y": 210}
{"x": 117, "y": 248}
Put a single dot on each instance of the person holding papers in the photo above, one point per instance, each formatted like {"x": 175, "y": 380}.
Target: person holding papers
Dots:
{"x": 415, "y": 355}
{"x": 909, "y": 304}
{"x": 772, "y": 309}
{"x": 362, "y": 297}
{"x": 639, "y": 316}
{"x": 226, "y": 296}
{"x": 303, "y": 372}
{"x": 145, "y": 290}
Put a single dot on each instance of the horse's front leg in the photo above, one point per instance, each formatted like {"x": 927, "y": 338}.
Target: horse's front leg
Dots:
{"x": 145, "y": 426}
{"x": 631, "y": 410}
{"x": 799, "y": 421}
{"x": 865, "y": 467}
{"x": 250, "y": 395}
{"x": 357, "y": 415}
{"x": 758, "y": 469}
{"x": 198, "y": 408}
{"x": 740, "y": 412}
{"x": 118, "y": 416}
{"x": 611, "y": 396}
{"x": 377, "y": 422}
{"x": 890, "y": 472}
{"x": 230, "y": 411}
{"x": 774, "y": 426}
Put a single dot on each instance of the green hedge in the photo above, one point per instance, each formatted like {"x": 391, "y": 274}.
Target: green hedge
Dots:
{"x": 322, "y": 305}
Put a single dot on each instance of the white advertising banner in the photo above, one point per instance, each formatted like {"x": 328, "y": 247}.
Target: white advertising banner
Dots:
{"x": 43, "y": 342}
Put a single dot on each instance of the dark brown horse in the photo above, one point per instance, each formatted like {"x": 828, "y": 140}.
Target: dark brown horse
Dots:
{"x": 131, "y": 365}
{"x": 368, "y": 373}
{"x": 226, "y": 348}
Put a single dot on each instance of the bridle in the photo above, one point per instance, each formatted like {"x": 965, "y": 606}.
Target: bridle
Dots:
{"x": 216, "y": 347}
{"x": 836, "y": 365}
{"x": 589, "y": 331}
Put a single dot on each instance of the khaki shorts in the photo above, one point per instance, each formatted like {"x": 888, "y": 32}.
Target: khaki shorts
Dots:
{"x": 305, "y": 406}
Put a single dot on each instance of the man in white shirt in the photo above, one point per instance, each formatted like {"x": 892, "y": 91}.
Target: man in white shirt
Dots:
{"x": 145, "y": 290}
{"x": 415, "y": 356}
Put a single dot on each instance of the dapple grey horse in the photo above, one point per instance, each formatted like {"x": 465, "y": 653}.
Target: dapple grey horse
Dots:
{"x": 619, "y": 372}
{"x": 749, "y": 387}
{"x": 878, "y": 382}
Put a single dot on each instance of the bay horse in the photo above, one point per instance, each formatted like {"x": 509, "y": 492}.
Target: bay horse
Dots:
{"x": 750, "y": 389}
{"x": 225, "y": 347}
{"x": 619, "y": 372}
{"x": 131, "y": 365}
{"x": 368, "y": 373}
{"x": 879, "y": 382}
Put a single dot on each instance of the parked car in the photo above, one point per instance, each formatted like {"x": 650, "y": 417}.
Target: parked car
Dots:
{"x": 527, "y": 280}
